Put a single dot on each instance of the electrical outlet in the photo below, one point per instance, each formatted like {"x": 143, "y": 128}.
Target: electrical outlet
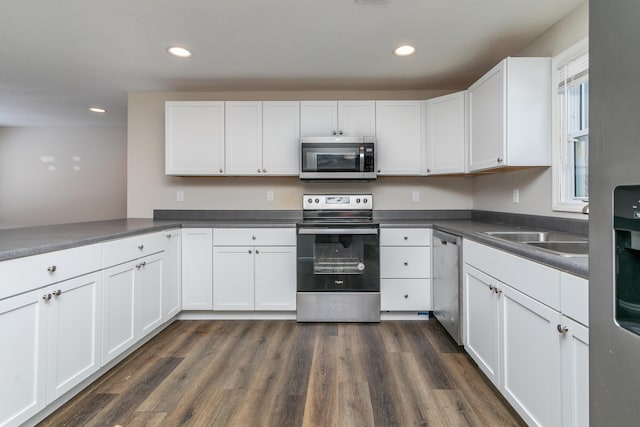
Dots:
{"x": 415, "y": 196}
{"x": 516, "y": 195}
{"x": 180, "y": 196}
{"x": 269, "y": 196}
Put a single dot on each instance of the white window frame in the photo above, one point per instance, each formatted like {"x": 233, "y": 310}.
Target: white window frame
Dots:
{"x": 559, "y": 151}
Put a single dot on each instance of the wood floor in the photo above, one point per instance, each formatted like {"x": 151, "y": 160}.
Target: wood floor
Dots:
{"x": 283, "y": 373}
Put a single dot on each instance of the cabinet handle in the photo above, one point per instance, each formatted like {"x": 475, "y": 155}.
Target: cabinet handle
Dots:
{"x": 258, "y": 170}
{"x": 250, "y": 251}
{"x": 341, "y": 133}
{"x": 141, "y": 247}
{"x": 142, "y": 264}
{"x": 253, "y": 237}
{"x": 406, "y": 295}
{"x": 406, "y": 238}
{"x": 334, "y": 132}
{"x": 492, "y": 288}
{"x": 499, "y": 159}
{"x": 257, "y": 252}
{"x": 406, "y": 263}
{"x": 221, "y": 171}
{"x": 264, "y": 171}
{"x": 428, "y": 170}
{"x": 379, "y": 170}
{"x": 46, "y": 297}
{"x": 562, "y": 329}
{"x": 497, "y": 290}
{"x": 52, "y": 269}
{"x": 57, "y": 293}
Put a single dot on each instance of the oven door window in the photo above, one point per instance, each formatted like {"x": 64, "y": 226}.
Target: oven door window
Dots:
{"x": 338, "y": 262}
{"x": 330, "y": 158}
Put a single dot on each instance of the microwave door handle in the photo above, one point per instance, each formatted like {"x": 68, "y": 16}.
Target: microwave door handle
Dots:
{"x": 362, "y": 158}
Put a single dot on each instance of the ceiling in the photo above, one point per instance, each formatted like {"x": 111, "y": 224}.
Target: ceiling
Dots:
{"x": 60, "y": 57}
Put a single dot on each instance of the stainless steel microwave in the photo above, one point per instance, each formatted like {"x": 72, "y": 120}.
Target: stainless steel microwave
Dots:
{"x": 343, "y": 158}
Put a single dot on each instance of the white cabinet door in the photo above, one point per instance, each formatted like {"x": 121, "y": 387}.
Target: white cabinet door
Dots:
{"x": 118, "y": 309}
{"x": 510, "y": 115}
{"x": 446, "y": 130}
{"x": 487, "y": 120}
{"x": 281, "y": 138}
{"x": 23, "y": 331}
{"x": 74, "y": 328}
{"x": 194, "y": 138}
{"x": 575, "y": 373}
{"x": 318, "y": 118}
{"x": 482, "y": 321}
{"x": 399, "y": 137}
{"x": 531, "y": 358}
{"x": 357, "y": 118}
{"x": 233, "y": 278}
{"x": 171, "y": 292}
{"x": 243, "y": 138}
{"x": 149, "y": 294}
{"x": 339, "y": 118}
{"x": 275, "y": 278}
{"x": 197, "y": 268}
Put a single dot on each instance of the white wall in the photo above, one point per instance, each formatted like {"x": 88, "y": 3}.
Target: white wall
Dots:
{"x": 149, "y": 188}
{"x": 61, "y": 175}
{"x": 494, "y": 192}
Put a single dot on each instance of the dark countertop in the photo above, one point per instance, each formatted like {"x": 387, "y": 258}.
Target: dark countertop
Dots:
{"x": 20, "y": 242}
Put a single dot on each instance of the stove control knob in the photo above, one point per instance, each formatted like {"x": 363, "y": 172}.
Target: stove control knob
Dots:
{"x": 310, "y": 200}
{"x": 357, "y": 200}
{"x": 317, "y": 200}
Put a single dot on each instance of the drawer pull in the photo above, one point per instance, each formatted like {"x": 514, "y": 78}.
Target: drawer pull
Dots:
{"x": 562, "y": 329}
{"x": 257, "y": 252}
{"x": 406, "y": 263}
{"x": 52, "y": 269}
{"x": 46, "y": 297}
{"x": 250, "y": 251}
{"x": 406, "y": 295}
{"x": 57, "y": 293}
{"x": 253, "y": 237}
{"x": 406, "y": 237}
{"x": 141, "y": 247}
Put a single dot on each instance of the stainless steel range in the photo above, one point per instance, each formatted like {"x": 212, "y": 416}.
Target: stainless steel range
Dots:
{"x": 338, "y": 260}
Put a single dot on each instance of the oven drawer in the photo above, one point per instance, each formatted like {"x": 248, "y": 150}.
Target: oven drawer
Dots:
{"x": 254, "y": 237}
{"x": 405, "y": 262}
{"x": 405, "y": 237}
{"x": 405, "y": 294}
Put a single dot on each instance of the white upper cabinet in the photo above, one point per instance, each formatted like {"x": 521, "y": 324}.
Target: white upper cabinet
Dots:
{"x": 243, "y": 138}
{"x": 399, "y": 137}
{"x": 280, "y": 138}
{"x": 194, "y": 138}
{"x": 340, "y": 118}
{"x": 510, "y": 115}
{"x": 446, "y": 134}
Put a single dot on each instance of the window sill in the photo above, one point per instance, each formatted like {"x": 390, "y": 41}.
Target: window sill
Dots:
{"x": 569, "y": 207}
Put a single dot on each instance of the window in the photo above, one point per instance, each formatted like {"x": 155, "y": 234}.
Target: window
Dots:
{"x": 571, "y": 128}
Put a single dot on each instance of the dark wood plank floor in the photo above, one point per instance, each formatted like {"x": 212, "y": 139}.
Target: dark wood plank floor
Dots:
{"x": 283, "y": 373}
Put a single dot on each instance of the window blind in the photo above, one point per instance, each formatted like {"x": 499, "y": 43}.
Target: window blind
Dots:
{"x": 573, "y": 72}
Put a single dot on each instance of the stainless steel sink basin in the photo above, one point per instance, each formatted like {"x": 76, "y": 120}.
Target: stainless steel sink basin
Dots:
{"x": 531, "y": 236}
{"x": 570, "y": 249}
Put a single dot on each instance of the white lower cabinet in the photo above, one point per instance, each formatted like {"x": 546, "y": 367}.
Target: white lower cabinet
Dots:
{"x": 50, "y": 343}
{"x": 247, "y": 278}
{"x": 536, "y": 356}
{"x": 575, "y": 373}
{"x": 171, "y": 294}
{"x": 23, "y": 328}
{"x": 197, "y": 269}
{"x": 405, "y": 269}
{"x": 132, "y": 303}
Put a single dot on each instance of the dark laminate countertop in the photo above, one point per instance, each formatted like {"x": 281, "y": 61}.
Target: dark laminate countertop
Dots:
{"x": 20, "y": 242}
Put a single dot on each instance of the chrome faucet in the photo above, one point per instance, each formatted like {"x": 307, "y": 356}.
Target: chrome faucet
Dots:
{"x": 585, "y": 209}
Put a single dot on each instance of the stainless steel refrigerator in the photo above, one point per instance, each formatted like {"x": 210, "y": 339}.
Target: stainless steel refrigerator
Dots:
{"x": 614, "y": 221}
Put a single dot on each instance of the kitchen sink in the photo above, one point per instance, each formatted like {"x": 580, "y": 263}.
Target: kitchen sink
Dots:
{"x": 531, "y": 236}
{"x": 570, "y": 249}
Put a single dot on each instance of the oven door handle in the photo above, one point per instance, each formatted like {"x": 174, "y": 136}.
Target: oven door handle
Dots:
{"x": 337, "y": 231}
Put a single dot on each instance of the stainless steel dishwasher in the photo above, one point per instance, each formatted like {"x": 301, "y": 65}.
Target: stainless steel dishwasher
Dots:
{"x": 447, "y": 282}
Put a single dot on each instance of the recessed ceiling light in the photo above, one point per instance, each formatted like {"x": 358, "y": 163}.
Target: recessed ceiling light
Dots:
{"x": 97, "y": 110}
{"x": 405, "y": 50}
{"x": 178, "y": 51}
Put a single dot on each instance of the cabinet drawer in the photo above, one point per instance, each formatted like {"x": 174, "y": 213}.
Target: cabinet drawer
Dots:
{"x": 538, "y": 281}
{"x": 574, "y": 297}
{"x": 23, "y": 274}
{"x": 123, "y": 250}
{"x": 405, "y": 294}
{"x": 405, "y": 237}
{"x": 254, "y": 237}
{"x": 405, "y": 262}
